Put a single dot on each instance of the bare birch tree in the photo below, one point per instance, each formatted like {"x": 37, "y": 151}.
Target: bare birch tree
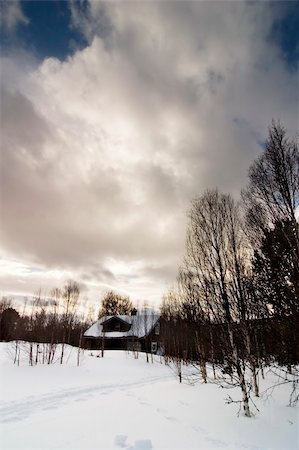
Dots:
{"x": 215, "y": 261}
{"x": 71, "y": 292}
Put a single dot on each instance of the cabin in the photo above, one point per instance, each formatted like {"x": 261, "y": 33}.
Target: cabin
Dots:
{"x": 139, "y": 332}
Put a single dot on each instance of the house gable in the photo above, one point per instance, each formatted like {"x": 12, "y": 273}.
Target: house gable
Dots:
{"x": 114, "y": 327}
{"x": 115, "y": 324}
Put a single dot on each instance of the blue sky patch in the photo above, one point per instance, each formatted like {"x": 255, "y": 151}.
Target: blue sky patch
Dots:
{"x": 49, "y": 32}
{"x": 284, "y": 32}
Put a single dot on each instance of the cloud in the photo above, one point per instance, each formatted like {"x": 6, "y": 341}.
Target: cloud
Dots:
{"x": 12, "y": 15}
{"x": 104, "y": 151}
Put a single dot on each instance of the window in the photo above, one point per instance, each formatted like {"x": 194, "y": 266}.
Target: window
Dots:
{"x": 157, "y": 329}
{"x": 117, "y": 326}
{"x": 154, "y": 347}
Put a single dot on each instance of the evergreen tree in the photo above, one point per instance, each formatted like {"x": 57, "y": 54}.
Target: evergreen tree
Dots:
{"x": 276, "y": 276}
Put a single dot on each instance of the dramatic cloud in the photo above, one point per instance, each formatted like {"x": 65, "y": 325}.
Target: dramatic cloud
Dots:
{"x": 102, "y": 152}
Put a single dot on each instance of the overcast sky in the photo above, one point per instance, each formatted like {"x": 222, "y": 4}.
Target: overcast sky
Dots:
{"x": 114, "y": 116}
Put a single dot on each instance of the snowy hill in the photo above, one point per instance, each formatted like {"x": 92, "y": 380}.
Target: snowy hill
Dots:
{"x": 121, "y": 402}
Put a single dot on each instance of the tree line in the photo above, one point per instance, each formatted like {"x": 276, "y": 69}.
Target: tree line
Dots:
{"x": 53, "y": 319}
{"x": 58, "y": 317}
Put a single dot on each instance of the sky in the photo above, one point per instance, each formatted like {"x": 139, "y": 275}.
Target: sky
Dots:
{"x": 114, "y": 116}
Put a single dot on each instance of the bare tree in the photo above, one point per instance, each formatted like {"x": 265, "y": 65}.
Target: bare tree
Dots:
{"x": 56, "y": 296}
{"x": 217, "y": 262}
{"x": 5, "y": 303}
{"x": 193, "y": 314}
{"x": 272, "y": 195}
{"x": 115, "y": 304}
{"x": 272, "y": 200}
{"x": 174, "y": 332}
{"x": 71, "y": 292}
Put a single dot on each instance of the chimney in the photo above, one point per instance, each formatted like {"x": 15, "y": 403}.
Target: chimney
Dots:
{"x": 134, "y": 312}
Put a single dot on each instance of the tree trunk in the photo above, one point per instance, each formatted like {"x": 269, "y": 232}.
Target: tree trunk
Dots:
{"x": 244, "y": 391}
{"x": 79, "y": 348}
{"x": 253, "y": 366}
{"x": 240, "y": 372}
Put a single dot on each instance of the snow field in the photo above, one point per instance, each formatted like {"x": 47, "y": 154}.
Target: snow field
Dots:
{"x": 119, "y": 402}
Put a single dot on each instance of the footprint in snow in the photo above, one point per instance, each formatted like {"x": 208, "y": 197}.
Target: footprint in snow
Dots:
{"x": 172, "y": 419}
{"x": 199, "y": 429}
{"x": 217, "y": 442}
{"x": 130, "y": 394}
{"x": 161, "y": 410}
{"x": 120, "y": 440}
{"x": 144, "y": 444}
{"x": 14, "y": 418}
{"x": 49, "y": 408}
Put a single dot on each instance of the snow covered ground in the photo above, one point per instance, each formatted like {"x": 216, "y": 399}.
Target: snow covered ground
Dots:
{"x": 119, "y": 402}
